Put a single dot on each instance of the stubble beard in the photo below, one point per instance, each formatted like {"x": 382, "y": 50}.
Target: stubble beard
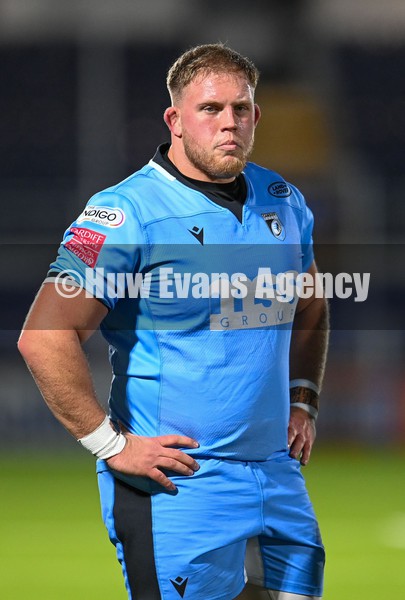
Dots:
{"x": 230, "y": 165}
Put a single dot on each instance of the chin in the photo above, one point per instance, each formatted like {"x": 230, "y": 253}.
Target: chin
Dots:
{"x": 232, "y": 168}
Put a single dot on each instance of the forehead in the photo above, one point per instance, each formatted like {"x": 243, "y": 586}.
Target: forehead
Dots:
{"x": 218, "y": 86}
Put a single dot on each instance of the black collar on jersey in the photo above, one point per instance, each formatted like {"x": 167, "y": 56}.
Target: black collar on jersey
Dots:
{"x": 228, "y": 195}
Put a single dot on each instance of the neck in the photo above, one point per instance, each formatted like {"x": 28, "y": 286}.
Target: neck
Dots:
{"x": 180, "y": 160}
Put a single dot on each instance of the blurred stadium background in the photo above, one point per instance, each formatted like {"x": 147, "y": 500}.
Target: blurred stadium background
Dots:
{"x": 81, "y": 103}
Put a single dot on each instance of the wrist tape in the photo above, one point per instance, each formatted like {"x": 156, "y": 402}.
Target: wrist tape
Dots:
{"x": 104, "y": 441}
{"x": 307, "y": 407}
{"x": 306, "y": 383}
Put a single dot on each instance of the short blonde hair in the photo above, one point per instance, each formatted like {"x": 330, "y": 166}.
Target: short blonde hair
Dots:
{"x": 206, "y": 59}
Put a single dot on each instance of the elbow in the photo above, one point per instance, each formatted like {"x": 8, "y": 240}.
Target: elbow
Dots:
{"x": 34, "y": 346}
{"x": 27, "y": 345}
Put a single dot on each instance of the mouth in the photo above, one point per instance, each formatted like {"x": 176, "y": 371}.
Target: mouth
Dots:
{"x": 229, "y": 146}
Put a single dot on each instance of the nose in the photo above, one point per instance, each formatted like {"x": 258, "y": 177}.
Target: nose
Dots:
{"x": 228, "y": 120}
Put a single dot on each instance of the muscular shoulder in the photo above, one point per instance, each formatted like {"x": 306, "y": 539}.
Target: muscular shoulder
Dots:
{"x": 277, "y": 188}
{"x": 153, "y": 194}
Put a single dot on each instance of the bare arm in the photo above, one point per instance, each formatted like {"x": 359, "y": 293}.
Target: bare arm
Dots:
{"x": 309, "y": 344}
{"x": 51, "y": 344}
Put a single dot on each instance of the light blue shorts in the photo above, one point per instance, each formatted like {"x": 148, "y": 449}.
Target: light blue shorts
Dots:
{"x": 192, "y": 544}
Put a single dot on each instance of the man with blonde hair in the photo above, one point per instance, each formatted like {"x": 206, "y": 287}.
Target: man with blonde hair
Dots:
{"x": 215, "y": 386}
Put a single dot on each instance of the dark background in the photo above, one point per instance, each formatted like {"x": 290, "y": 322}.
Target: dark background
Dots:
{"x": 81, "y": 102}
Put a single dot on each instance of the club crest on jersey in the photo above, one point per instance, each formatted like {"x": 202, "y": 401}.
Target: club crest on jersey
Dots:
{"x": 275, "y": 225}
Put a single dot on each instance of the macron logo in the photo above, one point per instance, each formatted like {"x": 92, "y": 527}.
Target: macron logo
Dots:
{"x": 198, "y": 233}
{"x": 179, "y": 585}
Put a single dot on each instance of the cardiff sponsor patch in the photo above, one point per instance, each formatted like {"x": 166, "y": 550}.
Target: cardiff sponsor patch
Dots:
{"x": 86, "y": 244}
{"x": 107, "y": 216}
{"x": 279, "y": 189}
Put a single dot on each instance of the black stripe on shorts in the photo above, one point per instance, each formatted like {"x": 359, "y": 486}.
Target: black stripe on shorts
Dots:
{"x": 133, "y": 526}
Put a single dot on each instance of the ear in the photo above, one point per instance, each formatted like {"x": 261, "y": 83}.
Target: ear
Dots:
{"x": 258, "y": 113}
{"x": 172, "y": 119}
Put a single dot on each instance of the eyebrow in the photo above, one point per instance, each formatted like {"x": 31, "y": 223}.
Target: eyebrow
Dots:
{"x": 219, "y": 104}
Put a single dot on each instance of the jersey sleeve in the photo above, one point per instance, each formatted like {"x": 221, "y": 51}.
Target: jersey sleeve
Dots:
{"x": 307, "y": 225}
{"x": 105, "y": 240}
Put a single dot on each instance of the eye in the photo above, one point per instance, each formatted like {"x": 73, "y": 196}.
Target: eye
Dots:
{"x": 241, "y": 108}
{"x": 210, "y": 109}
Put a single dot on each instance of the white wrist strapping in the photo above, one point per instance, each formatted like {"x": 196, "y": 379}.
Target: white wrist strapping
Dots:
{"x": 104, "y": 441}
{"x": 306, "y": 383}
{"x": 307, "y": 407}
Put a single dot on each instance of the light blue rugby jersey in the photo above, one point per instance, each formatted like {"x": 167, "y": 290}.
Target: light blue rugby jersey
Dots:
{"x": 215, "y": 369}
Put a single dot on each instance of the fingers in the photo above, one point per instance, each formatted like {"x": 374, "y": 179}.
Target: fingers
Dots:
{"x": 161, "y": 478}
{"x": 301, "y": 450}
{"x": 301, "y": 436}
{"x": 306, "y": 454}
{"x": 172, "y": 464}
{"x": 178, "y": 461}
{"x": 296, "y": 447}
{"x": 171, "y": 460}
{"x": 147, "y": 457}
{"x": 177, "y": 440}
